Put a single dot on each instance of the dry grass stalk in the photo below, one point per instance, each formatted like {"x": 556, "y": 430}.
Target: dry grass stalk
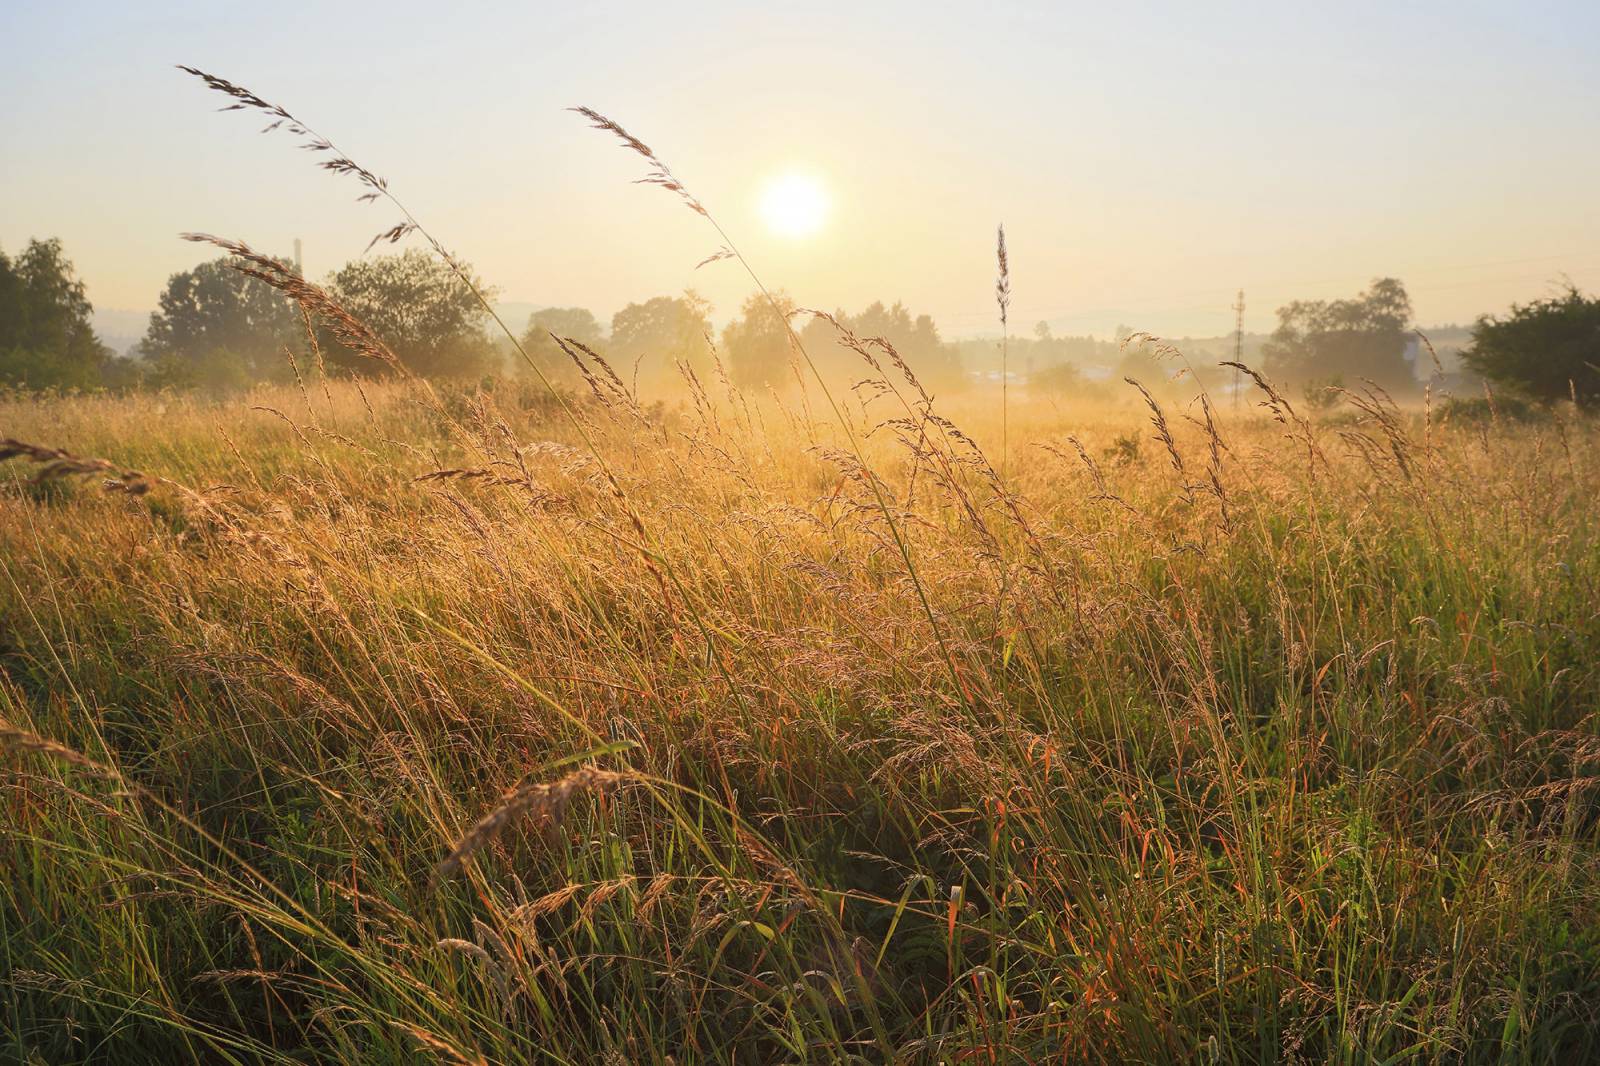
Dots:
{"x": 659, "y": 174}
{"x": 1214, "y": 465}
{"x": 715, "y": 257}
{"x": 312, "y": 141}
{"x": 57, "y": 463}
{"x": 15, "y": 738}
{"x": 1282, "y": 410}
{"x": 442, "y": 1048}
{"x": 547, "y": 802}
{"x": 1002, "y": 297}
{"x": 314, "y": 301}
{"x": 1379, "y": 408}
{"x": 1161, "y": 349}
{"x": 1158, "y": 419}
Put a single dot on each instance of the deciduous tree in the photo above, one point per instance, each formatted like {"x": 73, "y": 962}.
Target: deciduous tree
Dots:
{"x": 1360, "y": 338}
{"x": 757, "y": 342}
{"x": 656, "y": 334}
{"x": 46, "y": 339}
{"x": 420, "y": 309}
{"x": 218, "y": 326}
{"x": 576, "y": 323}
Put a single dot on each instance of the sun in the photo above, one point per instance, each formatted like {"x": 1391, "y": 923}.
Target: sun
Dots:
{"x": 794, "y": 205}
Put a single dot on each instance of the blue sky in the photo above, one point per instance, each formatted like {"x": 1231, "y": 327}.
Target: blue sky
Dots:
{"x": 1147, "y": 159}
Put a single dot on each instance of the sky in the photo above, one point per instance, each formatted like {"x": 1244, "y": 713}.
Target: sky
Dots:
{"x": 1148, "y": 160}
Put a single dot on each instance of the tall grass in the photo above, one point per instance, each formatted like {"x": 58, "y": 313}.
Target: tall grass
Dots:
{"x": 1314, "y": 781}
{"x": 391, "y": 721}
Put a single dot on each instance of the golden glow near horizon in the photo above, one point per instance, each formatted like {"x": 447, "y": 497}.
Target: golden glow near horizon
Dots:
{"x": 794, "y": 205}
{"x": 858, "y": 167}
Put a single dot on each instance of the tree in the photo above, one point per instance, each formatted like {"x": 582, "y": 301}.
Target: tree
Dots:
{"x": 217, "y": 326}
{"x": 415, "y": 303}
{"x": 916, "y": 340}
{"x": 1549, "y": 348}
{"x": 1363, "y": 337}
{"x": 46, "y": 339}
{"x": 757, "y": 342}
{"x": 576, "y": 323}
{"x": 658, "y": 333}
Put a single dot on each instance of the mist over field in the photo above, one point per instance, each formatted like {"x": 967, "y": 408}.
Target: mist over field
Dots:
{"x": 1055, "y": 534}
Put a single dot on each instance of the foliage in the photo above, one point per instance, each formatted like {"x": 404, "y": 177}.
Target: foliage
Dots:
{"x": 569, "y": 323}
{"x": 652, "y": 337}
{"x": 1123, "y": 449}
{"x": 1549, "y": 348}
{"x": 421, "y": 310}
{"x": 1489, "y": 409}
{"x": 46, "y": 338}
{"x": 757, "y": 343}
{"x": 1364, "y": 337}
{"x": 1322, "y": 395}
{"x": 218, "y": 327}
{"x": 916, "y": 340}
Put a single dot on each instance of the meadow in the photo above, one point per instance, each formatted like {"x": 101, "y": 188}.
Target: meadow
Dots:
{"x": 392, "y": 722}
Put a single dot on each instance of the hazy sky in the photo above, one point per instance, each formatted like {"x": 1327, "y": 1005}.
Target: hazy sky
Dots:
{"x": 1147, "y": 159}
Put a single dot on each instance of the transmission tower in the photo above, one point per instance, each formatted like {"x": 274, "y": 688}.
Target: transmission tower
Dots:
{"x": 1238, "y": 344}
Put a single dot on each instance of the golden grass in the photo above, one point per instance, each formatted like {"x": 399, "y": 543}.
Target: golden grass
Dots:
{"x": 1273, "y": 737}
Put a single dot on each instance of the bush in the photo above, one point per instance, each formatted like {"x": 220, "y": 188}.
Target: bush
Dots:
{"x": 1322, "y": 395}
{"x": 1063, "y": 378}
{"x": 1482, "y": 409}
{"x": 1548, "y": 349}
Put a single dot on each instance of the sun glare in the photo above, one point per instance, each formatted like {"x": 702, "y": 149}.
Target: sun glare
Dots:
{"x": 794, "y": 205}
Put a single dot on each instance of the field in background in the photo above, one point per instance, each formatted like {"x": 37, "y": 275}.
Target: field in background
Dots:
{"x": 412, "y": 723}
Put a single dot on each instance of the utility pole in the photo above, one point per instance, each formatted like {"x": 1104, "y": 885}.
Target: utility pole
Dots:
{"x": 297, "y": 267}
{"x": 1238, "y": 344}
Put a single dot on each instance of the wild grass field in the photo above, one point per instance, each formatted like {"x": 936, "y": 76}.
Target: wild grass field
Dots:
{"x": 394, "y": 723}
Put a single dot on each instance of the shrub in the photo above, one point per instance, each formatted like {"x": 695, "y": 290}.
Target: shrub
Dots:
{"x": 1549, "y": 348}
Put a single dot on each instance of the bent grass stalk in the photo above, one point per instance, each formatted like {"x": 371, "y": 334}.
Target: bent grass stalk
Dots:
{"x": 655, "y": 559}
{"x": 661, "y": 175}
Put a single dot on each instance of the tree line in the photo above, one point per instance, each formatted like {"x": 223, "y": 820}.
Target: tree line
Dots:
{"x": 216, "y": 328}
